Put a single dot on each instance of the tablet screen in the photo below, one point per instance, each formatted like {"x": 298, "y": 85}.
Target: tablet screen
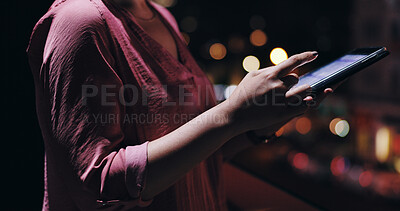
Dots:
{"x": 318, "y": 74}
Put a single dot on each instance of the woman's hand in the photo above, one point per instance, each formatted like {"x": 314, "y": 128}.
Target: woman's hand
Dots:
{"x": 311, "y": 103}
{"x": 264, "y": 98}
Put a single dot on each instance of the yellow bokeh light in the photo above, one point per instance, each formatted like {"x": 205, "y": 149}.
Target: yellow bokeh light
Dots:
{"x": 217, "y": 51}
{"x": 166, "y": 3}
{"x": 382, "y": 144}
{"x": 258, "y": 38}
{"x": 397, "y": 164}
{"x": 278, "y": 55}
{"x": 342, "y": 128}
{"x": 251, "y": 63}
{"x": 303, "y": 125}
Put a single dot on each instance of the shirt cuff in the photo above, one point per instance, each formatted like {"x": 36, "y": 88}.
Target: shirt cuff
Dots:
{"x": 136, "y": 171}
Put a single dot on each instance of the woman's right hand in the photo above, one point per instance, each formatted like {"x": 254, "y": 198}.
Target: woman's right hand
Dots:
{"x": 264, "y": 97}
{"x": 261, "y": 99}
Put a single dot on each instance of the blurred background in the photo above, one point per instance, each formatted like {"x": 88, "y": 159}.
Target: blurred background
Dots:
{"x": 345, "y": 155}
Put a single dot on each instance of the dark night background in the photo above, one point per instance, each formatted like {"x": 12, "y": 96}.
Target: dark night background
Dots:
{"x": 293, "y": 25}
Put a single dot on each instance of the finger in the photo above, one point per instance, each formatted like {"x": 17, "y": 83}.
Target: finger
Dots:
{"x": 293, "y": 62}
{"x": 316, "y": 101}
{"x": 297, "y": 94}
{"x": 308, "y": 99}
{"x": 328, "y": 91}
{"x": 290, "y": 80}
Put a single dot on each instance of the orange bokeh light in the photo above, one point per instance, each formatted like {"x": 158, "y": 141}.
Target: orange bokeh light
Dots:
{"x": 332, "y": 125}
{"x": 217, "y": 51}
{"x": 280, "y": 132}
{"x": 303, "y": 125}
{"x": 258, "y": 38}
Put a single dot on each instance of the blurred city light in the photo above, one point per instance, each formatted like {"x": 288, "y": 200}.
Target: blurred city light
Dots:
{"x": 280, "y": 132}
{"x": 229, "y": 90}
{"x": 166, "y": 3}
{"x": 396, "y": 143}
{"x": 217, "y": 51}
{"x": 338, "y": 165}
{"x": 342, "y": 128}
{"x": 382, "y": 144}
{"x": 236, "y": 44}
{"x": 186, "y": 37}
{"x": 251, "y": 63}
{"x": 365, "y": 178}
{"x": 188, "y": 24}
{"x": 300, "y": 160}
{"x": 303, "y": 125}
{"x": 258, "y": 38}
{"x": 332, "y": 125}
{"x": 354, "y": 173}
{"x": 278, "y": 55}
{"x": 396, "y": 164}
{"x": 219, "y": 90}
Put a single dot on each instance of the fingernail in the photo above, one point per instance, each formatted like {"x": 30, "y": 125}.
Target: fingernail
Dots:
{"x": 315, "y": 53}
{"x": 308, "y": 98}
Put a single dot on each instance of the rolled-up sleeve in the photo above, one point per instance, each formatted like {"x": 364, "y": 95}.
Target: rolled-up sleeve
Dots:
{"x": 82, "y": 90}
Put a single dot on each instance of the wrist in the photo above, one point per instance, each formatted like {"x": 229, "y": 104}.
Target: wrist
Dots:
{"x": 234, "y": 124}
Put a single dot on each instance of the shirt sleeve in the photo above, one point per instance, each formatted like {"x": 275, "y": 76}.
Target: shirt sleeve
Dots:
{"x": 83, "y": 92}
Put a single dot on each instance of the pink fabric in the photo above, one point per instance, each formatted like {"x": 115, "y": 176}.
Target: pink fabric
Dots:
{"x": 96, "y": 147}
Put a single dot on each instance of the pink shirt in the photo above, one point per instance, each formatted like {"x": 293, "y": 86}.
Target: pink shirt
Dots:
{"x": 82, "y": 54}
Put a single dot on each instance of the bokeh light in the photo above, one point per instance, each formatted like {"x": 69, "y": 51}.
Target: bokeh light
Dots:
{"x": 300, "y": 160}
{"x": 166, "y": 3}
{"x": 258, "y": 38}
{"x": 396, "y": 164}
{"x": 236, "y": 44}
{"x": 278, "y": 55}
{"x": 251, "y": 63}
{"x": 338, "y": 165}
{"x": 217, "y": 51}
{"x": 280, "y": 132}
{"x": 303, "y": 125}
{"x": 186, "y": 37}
{"x": 342, "y": 128}
{"x": 229, "y": 90}
{"x": 365, "y": 178}
{"x": 332, "y": 125}
{"x": 188, "y": 24}
{"x": 382, "y": 144}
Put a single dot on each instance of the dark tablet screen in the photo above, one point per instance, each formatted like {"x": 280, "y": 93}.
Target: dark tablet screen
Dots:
{"x": 329, "y": 69}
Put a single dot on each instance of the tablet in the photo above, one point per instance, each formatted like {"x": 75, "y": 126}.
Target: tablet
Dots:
{"x": 342, "y": 67}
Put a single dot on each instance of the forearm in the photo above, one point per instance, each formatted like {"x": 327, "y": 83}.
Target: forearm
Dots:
{"x": 173, "y": 155}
